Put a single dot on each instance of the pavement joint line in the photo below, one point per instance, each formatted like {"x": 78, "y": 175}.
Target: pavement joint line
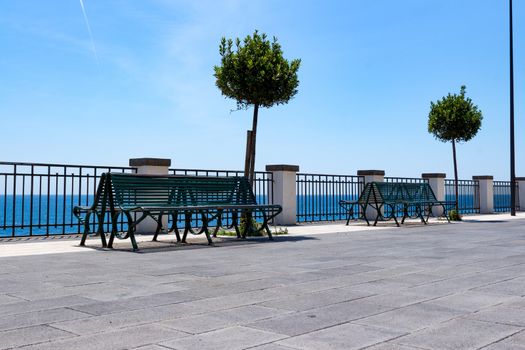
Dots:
{"x": 500, "y": 340}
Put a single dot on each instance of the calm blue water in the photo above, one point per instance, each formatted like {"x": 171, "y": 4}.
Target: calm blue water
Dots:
{"x": 53, "y": 214}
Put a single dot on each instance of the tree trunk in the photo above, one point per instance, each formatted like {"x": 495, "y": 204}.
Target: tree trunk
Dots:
{"x": 247, "y": 159}
{"x": 455, "y": 174}
{"x": 253, "y": 139}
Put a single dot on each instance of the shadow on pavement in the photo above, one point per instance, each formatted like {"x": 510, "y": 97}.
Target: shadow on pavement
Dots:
{"x": 172, "y": 245}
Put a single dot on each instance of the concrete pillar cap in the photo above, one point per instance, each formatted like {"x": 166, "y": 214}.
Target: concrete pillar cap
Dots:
{"x": 149, "y": 161}
{"x": 433, "y": 175}
{"x": 483, "y": 177}
{"x": 370, "y": 172}
{"x": 282, "y": 167}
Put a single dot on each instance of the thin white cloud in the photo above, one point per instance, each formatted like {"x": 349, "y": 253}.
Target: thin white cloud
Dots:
{"x": 89, "y": 30}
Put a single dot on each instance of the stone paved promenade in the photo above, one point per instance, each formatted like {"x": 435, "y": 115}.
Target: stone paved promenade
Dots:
{"x": 441, "y": 286}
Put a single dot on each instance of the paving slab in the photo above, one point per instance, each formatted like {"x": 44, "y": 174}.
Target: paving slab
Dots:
{"x": 459, "y": 334}
{"x": 120, "y": 339}
{"x": 30, "y": 335}
{"x": 411, "y": 318}
{"x": 319, "y": 318}
{"x": 234, "y": 338}
{"x": 343, "y": 337}
{"x": 514, "y": 342}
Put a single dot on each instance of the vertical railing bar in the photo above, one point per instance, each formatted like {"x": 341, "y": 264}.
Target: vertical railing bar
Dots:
{"x": 56, "y": 198}
{"x": 23, "y": 200}
{"x": 5, "y": 201}
{"x": 31, "y": 200}
{"x": 48, "y": 198}
{"x": 64, "y": 200}
{"x": 39, "y": 201}
{"x": 14, "y": 201}
{"x": 72, "y": 199}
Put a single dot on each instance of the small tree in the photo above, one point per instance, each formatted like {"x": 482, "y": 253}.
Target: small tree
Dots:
{"x": 255, "y": 73}
{"x": 454, "y": 119}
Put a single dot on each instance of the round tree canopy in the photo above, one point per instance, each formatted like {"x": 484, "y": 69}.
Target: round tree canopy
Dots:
{"x": 454, "y": 118}
{"x": 255, "y": 72}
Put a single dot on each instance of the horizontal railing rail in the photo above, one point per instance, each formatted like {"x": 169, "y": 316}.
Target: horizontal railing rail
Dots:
{"x": 468, "y": 195}
{"x": 318, "y": 195}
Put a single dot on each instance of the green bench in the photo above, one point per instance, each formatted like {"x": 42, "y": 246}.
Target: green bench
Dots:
{"x": 210, "y": 199}
{"x": 390, "y": 200}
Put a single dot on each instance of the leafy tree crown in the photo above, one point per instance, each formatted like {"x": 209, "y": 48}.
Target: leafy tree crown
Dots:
{"x": 255, "y": 72}
{"x": 454, "y": 118}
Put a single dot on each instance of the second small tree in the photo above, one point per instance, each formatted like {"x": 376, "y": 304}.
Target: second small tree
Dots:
{"x": 454, "y": 119}
{"x": 255, "y": 73}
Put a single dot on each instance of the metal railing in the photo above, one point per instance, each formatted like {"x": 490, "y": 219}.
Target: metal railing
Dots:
{"x": 318, "y": 195}
{"x": 411, "y": 180}
{"x": 468, "y": 195}
{"x": 37, "y": 199}
{"x": 502, "y": 196}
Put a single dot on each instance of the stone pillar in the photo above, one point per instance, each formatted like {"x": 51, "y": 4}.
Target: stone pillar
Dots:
{"x": 284, "y": 192}
{"x": 437, "y": 183}
{"x": 486, "y": 193}
{"x": 520, "y": 199}
{"x": 371, "y": 176}
{"x": 150, "y": 166}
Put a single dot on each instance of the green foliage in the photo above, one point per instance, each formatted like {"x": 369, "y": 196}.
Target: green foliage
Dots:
{"x": 255, "y": 72}
{"x": 454, "y": 215}
{"x": 454, "y": 118}
{"x": 243, "y": 227}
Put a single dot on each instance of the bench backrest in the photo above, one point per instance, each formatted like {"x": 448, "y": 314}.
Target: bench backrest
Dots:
{"x": 173, "y": 190}
{"x": 403, "y": 192}
{"x": 427, "y": 193}
{"x": 132, "y": 190}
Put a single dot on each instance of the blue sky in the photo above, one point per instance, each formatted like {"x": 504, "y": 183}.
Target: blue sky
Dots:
{"x": 144, "y": 86}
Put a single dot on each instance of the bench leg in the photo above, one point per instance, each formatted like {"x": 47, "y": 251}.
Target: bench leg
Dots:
{"x": 364, "y": 214}
{"x": 422, "y": 214}
{"x": 235, "y": 223}
{"x": 114, "y": 218}
{"x": 187, "y": 225}
{"x": 101, "y": 230}
{"x": 378, "y": 210}
{"x": 350, "y": 214}
{"x": 133, "y": 241}
{"x": 174, "y": 218}
{"x": 159, "y": 226}
{"x": 205, "y": 227}
{"x": 445, "y": 212}
{"x": 219, "y": 222}
{"x": 270, "y": 236}
{"x": 86, "y": 230}
{"x": 393, "y": 214}
{"x": 111, "y": 238}
{"x": 265, "y": 225}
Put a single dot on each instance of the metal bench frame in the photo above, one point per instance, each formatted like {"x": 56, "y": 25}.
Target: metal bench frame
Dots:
{"x": 397, "y": 196}
{"x": 140, "y": 196}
